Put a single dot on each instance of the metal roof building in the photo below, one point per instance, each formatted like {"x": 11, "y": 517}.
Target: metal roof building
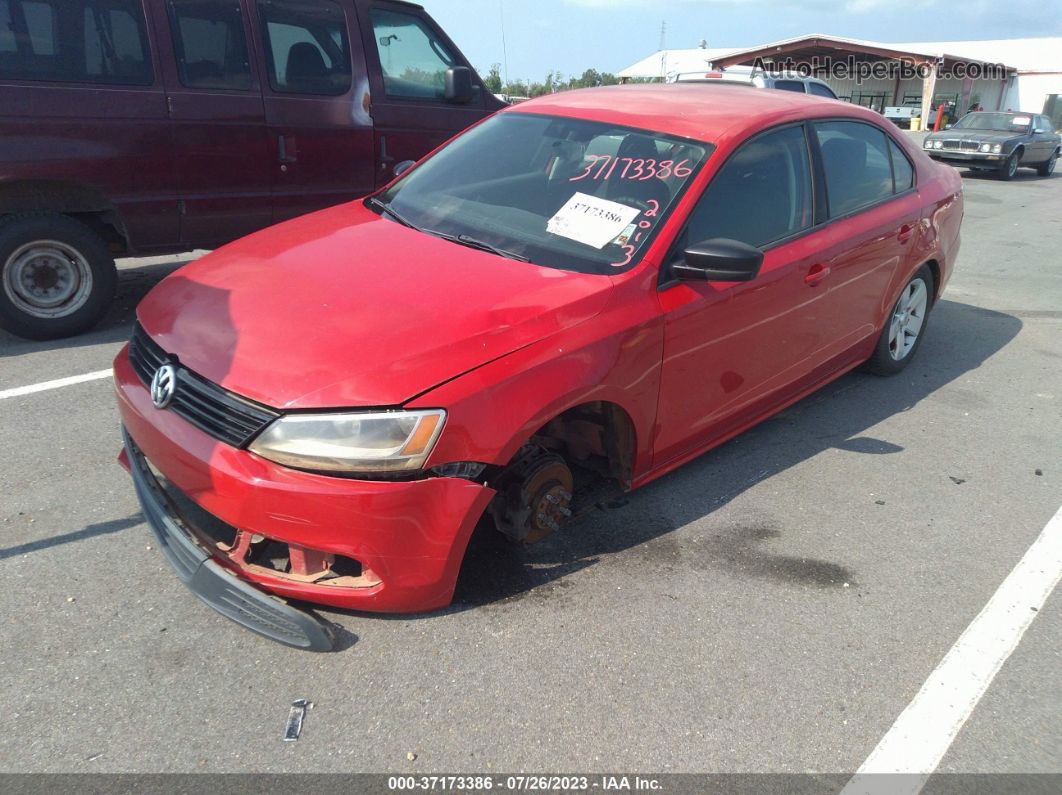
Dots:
{"x": 1030, "y": 80}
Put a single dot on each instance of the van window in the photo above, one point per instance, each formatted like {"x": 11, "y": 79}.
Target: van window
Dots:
{"x": 210, "y": 44}
{"x": 306, "y": 46}
{"x": 760, "y": 195}
{"x": 902, "y": 170}
{"x": 74, "y": 41}
{"x": 855, "y": 157}
{"x": 789, "y": 85}
{"x": 413, "y": 60}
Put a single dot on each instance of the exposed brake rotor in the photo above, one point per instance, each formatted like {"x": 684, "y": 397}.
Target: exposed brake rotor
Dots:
{"x": 534, "y": 495}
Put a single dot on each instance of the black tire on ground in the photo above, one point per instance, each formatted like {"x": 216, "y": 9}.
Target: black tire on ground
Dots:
{"x": 1045, "y": 169}
{"x": 57, "y": 276}
{"x": 1010, "y": 166}
{"x": 884, "y": 361}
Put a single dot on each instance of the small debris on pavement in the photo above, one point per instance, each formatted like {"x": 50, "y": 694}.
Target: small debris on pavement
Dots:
{"x": 411, "y": 756}
{"x": 879, "y": 502}
{"x": 295, "y": 718}
{"x": 70, "y": 599}
{"x": 958, "y": 481}
{"x": 1040, "y": 472}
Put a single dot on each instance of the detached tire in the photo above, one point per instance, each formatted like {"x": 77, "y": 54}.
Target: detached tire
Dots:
{"x": 57, "y": 277}
{"x": 905, "y": 326}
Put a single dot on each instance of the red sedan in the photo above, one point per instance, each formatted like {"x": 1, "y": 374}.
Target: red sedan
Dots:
{"x": 586, "y": 290}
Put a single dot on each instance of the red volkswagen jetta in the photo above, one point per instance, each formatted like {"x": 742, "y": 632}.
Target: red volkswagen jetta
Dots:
{"x": 590, "y": 288}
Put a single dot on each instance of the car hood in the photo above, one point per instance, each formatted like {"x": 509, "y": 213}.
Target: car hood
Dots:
{"x": 343, "y": 308}
{"x": 992, "y": 136}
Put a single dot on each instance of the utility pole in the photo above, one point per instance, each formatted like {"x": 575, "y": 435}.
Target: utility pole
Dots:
{"x": 505, "y": 52}
{"x": 663, "y": 34}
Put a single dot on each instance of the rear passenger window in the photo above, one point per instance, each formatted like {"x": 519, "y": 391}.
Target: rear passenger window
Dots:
{"x": 902, "y": 172}
{"x": 789, "y": 85}
{"x": 855, "y": 157}
{"x": 413, "y": 60}
{"x": 306, "y": 46}
{"x": 760, "y": 195}
{"x": 210, "y": 44}
{"x": 819, "y": 90}
{"x": 74, "y": 41}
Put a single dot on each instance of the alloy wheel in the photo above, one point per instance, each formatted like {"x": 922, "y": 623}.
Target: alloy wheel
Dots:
{"x": 908, "y": 317}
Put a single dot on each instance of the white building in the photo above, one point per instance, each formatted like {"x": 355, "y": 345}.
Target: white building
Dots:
{"x": 1031, "y": 81}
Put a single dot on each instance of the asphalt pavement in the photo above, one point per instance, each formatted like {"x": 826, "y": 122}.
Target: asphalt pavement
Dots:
{"x": 771, "y": 606}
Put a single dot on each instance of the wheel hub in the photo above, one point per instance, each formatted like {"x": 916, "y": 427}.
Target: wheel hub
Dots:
{"x": 47, "y": 279}
{"x": 534, "y": 496}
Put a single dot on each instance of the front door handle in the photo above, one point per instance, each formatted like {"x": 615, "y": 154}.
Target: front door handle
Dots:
{"x": 905, "y": 233}
{"x": 286, "y": 148}
{"x": 816, "y": 274}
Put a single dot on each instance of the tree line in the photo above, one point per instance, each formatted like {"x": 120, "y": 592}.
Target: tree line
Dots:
{"x": 555, "y": 81}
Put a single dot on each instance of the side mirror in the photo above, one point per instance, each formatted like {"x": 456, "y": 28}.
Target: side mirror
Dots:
{"x": 719, "y": 260}
{"x": 403, "y": 167}
{"x": 459, "y": 84}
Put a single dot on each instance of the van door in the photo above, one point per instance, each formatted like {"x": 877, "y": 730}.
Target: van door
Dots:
{"x": 316, "y": 103}
{"x": 408, "y": 56}
{"x": 221, "y": 148}
{"x": 83, "y": 110}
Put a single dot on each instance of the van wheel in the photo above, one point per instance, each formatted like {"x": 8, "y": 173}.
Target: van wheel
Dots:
{"x": 1046, "y": 169}
{"x": 905, "y": 326}
{"x": 57, "y": 277}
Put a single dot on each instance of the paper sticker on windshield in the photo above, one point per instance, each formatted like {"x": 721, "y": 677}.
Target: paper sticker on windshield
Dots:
{"x": 591, "y": 221}
{"x": 1021, "y": 121}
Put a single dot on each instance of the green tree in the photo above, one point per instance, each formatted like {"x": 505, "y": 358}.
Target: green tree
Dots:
{"x": 493, "y": 80}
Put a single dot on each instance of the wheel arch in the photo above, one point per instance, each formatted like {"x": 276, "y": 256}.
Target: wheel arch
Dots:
{"x": 82, "y": 202}
{"x": 597, "y": 432}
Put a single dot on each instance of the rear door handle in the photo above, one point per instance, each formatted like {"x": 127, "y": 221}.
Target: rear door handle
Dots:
{"x": 905, "y": 233}
{"x": 816, "y": 274}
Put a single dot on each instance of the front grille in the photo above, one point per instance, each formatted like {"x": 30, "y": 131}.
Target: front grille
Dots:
{"x": 961, "y": 146}
{"x": 227, "y": 417}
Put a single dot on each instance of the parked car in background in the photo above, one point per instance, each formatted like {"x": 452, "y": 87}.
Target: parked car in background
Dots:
{"x": 159, "y": 126}
{"x": 640, "y": 273}
{"x": 999, "y": 142}
{"x": 783, "y": 81}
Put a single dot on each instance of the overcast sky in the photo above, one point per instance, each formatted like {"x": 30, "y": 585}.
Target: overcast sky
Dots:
{"x": 607, "y": 35}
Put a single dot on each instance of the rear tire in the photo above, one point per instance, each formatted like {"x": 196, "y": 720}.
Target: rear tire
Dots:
{"x": 905, "y": 326}
{"x": 57, "y": 276}
{"x": 1045, "y": 169}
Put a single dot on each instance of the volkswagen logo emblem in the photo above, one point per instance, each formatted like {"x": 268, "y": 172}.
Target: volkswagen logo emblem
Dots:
{"x": 163, "y": 385}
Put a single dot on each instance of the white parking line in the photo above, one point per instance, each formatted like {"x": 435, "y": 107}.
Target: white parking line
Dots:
{"x": 925, "y": 730}
{"x": 59, "y": 382}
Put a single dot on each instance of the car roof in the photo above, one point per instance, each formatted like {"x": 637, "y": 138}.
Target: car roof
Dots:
{"x": 705, "y": 111}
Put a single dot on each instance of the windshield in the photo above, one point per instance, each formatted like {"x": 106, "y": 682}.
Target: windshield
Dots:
{"x": 564, "y": 193}
{"x": 998, "y": 122}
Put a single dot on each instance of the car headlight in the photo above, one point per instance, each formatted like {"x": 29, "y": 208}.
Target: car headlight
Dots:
{"x": 997, "y": 148}
{"x": 928, "y": 144}
{"x": 986, "y": 147}
{"x": 938, "y": 144}
{"x": 384, "y": 441}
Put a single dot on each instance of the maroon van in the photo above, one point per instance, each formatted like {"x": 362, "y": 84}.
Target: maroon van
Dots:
{"x": 134, "y": 127}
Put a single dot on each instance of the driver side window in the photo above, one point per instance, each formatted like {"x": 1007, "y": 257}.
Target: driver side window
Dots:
{"x": 413, "y": 61}
{"x": 762, "y": 194}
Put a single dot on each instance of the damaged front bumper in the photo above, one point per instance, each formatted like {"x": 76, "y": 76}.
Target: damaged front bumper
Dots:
{"x": 362, "y": 545}
{"x": 219, "y": 587}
